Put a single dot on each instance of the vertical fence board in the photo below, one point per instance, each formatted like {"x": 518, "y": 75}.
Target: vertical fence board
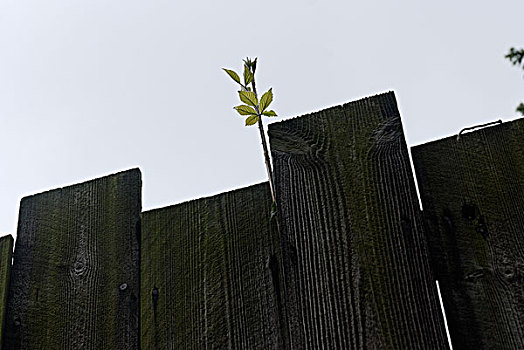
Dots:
{"x": 75, "y": 277}
{"x": 6, "y": 255}
{"x": 356, "y": 268}
{"x": 472, "y": 190}
{"x": 208, "y": 274}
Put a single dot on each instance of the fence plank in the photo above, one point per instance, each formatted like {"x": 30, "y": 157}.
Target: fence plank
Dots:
{"x": 6, "y": 255}
{"x": 355, "y": 262}
{"x": 75, "y": 277}
{"x": 472, "y": 190}
{"x": 209, "y": 274}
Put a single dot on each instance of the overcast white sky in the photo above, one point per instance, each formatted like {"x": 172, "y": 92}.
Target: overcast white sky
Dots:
{"x": 88, "y": 88}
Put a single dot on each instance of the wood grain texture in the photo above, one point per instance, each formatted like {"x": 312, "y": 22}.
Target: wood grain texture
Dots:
{"x": 210, "y": 274}
{"x": 356, "y": 265}
{"x": 6, "y": 256}
{"x": 75, "y": 278}
{"x": 472, "y": 191}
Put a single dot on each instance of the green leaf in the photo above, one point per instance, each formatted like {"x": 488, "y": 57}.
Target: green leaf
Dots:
{"x": 248, "y": 76}
{"x": 266, "y": 100}
{"x": 245, "y": 110}
{"x": 270, "y": 113}
{"x": 248, "y": 97}
{"x": 233, "y": 75}
{"x": 515, "y": 56}
{"x": 251, "y": 120}
{"x": 248, "y": 62}
{"x": 520, "y": 108}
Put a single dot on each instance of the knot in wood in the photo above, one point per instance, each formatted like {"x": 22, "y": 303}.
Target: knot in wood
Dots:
{"x": 388, "y": 132}
{"x": 79, "y": 267}
{"x": 509, "y": 272}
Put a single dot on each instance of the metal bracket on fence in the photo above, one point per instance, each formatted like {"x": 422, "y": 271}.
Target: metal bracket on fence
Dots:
{"x": 478, "y": 126}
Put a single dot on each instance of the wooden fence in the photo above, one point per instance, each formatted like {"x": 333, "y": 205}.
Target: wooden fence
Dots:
{"x": 472, "y": 189}
{"x": 210, "y": 274}
{"x": 351, "y": 263}
{"x": 75, "y": 279}
{"x": 355, "y": 262}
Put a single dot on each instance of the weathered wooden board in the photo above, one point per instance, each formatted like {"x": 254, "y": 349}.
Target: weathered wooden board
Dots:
{"x": 6, "y": 256}
{"x": 356, "y": 265}
{"x": 75, "y": 279}
{"x": 210, "y": 274}
{"x": 472, "y": 190}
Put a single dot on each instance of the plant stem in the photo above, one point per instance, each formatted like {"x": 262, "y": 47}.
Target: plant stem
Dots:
{"x": 266, "y": 158}
{"x": 264, "y": 146}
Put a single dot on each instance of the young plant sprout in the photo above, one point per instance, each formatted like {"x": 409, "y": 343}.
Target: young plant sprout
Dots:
{"x": 253, "y": 110}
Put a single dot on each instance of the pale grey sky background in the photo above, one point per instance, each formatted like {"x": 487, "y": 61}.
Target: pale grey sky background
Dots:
{"x": 88, "y": 88}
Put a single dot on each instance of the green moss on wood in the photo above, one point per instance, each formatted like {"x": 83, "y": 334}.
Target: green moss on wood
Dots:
{"x": 472, "y": 190}
{"x": 206, "y": 279}
{"x": 75, "y": 247}
{"x": 356, "y": 267}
